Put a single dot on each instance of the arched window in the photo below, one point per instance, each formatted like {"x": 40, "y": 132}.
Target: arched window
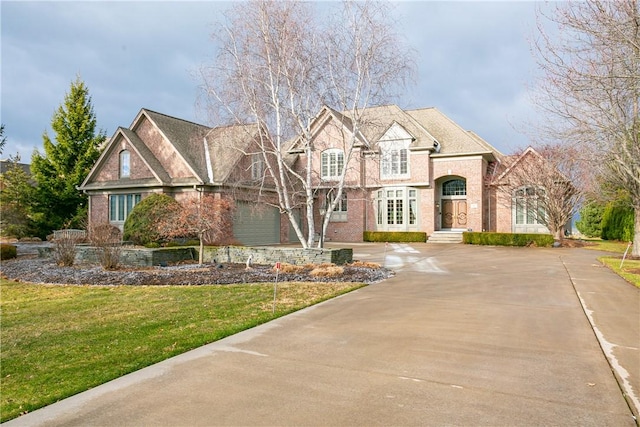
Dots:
{"x": 125, "y": 166}
{"x": 332, "y": 162}
{"x": 454, "y": 187}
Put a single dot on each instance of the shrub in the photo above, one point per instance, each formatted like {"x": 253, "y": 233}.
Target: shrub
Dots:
{"x": 64, "y": 253}
{"x": 290, "y": 268}
{"x": 8, "y": 251}
{"x": 394, "y": 236}
{"x": 107, "y": 239}
{"x": 590, "y": 222}
{"x": 507, "y": 239}
{"x": 365, "y": 264}
{"x": 140, "y": 226}
{"x": 327, "y": 270}
{"x": 618, "y": 222}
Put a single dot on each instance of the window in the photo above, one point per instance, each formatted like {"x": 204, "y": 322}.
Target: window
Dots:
{"x": 394, "y": 160}
{"x": 413, "y": 207}
{"x": 120, "y": 205}
{"x": 454, "y": 187}
{"x": 397, "y": 209}
{"x": 332, "y": 163}
{"x": 125, "y": 166}
{"x": 257, "y": 167}
{"x": 529, "y": 207}
{"x": 340, "y": 212}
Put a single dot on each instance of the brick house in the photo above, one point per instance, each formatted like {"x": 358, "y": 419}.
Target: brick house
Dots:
{"x": 163, "y": 154}
{"x": 410, "y": 170}
{"x": 413, "y": 170}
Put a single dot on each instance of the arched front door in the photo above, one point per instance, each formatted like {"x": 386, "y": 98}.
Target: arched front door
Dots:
{"x": 454, "y": 204}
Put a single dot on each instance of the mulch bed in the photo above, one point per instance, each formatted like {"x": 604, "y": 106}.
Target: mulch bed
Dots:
{"x": 42, "y": 270}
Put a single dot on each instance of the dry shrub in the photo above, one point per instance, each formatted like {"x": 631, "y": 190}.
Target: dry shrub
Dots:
{"x": 64, "y": 253}
{"x": 107, "y": 239}
{"x": 291, "y": 268}
{"x": 327, "y": 270}
{"x": 365, "y": 264}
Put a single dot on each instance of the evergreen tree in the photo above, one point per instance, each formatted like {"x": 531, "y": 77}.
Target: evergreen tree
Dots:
{"x": 590, "y": 222}
{"x": 66, "y": 162}
{"x": 16, "y": 196}
{"x": 3, "y": 139}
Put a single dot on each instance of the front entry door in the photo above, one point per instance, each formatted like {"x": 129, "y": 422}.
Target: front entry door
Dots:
{"x": 454, "y": 213}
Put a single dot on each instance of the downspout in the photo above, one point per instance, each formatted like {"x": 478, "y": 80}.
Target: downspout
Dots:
{"x": 207, "y": 157}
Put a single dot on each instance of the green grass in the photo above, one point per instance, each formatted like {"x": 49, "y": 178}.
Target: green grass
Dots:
{"x": 607, "y": 245}
{"x": 630, "y": 270}
{"x": 61, "y": 340}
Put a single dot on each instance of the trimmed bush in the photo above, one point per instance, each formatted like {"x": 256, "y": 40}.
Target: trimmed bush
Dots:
{"x": 8, "y": 251}
{"x": 618, "y": 223}
{"x": 590, "y": 222}
{"x": 507, "y": 239}
{"x": 140, "y": 226}
{"x": 394, "y": 236}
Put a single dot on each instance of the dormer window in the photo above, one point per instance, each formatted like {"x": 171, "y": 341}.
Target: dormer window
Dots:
{"x": 394, "y": 153}
{"x": 394, "y": 160}
{"x": 125, "y": 165}
{"x": 332, "y": 163}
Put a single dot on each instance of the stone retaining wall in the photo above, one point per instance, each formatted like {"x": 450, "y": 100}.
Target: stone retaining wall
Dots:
{"x": 147, "y": 257}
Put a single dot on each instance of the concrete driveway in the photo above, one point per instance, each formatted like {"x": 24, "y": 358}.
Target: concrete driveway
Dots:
{"x": 462, "y": 335}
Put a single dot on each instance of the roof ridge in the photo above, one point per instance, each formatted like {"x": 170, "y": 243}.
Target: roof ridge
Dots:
{"x": 174, "y": 118}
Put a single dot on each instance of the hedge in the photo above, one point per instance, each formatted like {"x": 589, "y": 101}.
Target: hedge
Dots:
{"x": 394, "y": 236}
{"x": 8, "y": 251}
{"x": 507, "y": 239}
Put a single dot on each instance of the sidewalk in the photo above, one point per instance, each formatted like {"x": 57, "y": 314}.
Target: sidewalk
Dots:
{"x": 461, "y": 335}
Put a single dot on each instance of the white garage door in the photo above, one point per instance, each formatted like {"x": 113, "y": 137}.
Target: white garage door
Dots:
{"x": 256, "y": 225}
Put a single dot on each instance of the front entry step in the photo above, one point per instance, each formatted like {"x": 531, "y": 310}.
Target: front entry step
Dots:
{"x": 445, "y": 237}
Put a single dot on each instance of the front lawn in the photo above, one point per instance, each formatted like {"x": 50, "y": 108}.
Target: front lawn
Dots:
{"x": 630, "y": 270}
{"x": 59, "y": 340}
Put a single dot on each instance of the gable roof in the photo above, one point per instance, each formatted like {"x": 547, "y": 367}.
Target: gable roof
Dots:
{"x": 429, "y": 127}
{"x": 204, "y": 151}
{"x": 226, "y": 145}
{"x": 186, "y": 137}
{"x": 512, "y": 162}
{"x": 454, "y": 140}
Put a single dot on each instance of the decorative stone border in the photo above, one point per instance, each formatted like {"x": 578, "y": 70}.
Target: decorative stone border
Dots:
{"x": 147, "y": 257}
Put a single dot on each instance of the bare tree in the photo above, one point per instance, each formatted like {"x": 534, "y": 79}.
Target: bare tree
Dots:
{"x": 207, "y": 216}
{"x": 590, "y": 85}
{"x": 279, "y": 63}
{"x": 546, "y": 184}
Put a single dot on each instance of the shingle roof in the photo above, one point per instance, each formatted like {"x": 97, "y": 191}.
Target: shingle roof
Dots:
{"x": 453, "y": 139}
{"x": 227, "y": 144}
{"x": 186, "y": 137}
{"x": 426, "y": 125}
{"x": 156, "y": 167}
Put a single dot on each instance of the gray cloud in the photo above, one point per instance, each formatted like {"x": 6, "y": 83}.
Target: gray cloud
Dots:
{"x": 473, "y": 62}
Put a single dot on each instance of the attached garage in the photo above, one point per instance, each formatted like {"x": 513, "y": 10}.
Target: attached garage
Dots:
{"x": 256, "y": 225}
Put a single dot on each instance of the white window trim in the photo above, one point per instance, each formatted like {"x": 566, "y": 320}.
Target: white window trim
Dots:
{"x": 340, "y": 213}
{"x": 115, "y": 200}
{"x": 382, "y": 206}
{"x": 332, "y": 155}
{"x": 389, "y": 149}
{"x": 124, "y": 166}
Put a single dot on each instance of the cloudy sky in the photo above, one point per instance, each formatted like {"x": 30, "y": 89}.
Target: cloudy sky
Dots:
{"x": 473, "y": 60}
